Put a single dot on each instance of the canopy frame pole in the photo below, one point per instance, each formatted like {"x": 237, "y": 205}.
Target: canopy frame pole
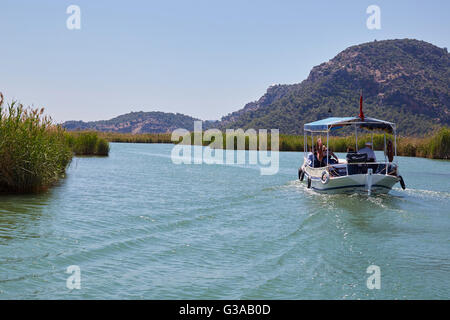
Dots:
{"x": 327, "y": 147}
{"x": 305, "y": 144}
{"x": 312, "y": 148}
{"x": 395, "y": 143}
{"x": 385, "y": 151}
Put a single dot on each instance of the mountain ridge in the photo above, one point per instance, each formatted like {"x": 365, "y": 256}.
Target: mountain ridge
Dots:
{"x": 136, "y": 122}
{"x": 405, "y": 81}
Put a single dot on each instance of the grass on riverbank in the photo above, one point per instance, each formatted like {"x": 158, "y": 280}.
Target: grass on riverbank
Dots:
{"x": 33, "y": 152}
{"x": 436, "y": 146}
{"x": 87, "y": 144}
{"x": 136, "y": 138}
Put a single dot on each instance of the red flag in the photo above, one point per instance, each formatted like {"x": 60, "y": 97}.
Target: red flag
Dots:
{"x": 361, "y": 113}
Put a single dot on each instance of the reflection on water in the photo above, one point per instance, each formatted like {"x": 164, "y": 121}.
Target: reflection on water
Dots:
{"x": 141, "y": 227}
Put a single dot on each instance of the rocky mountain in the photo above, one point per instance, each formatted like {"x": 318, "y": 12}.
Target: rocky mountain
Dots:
{"x": 404, "y": 81}
{"x": 137, "y": 122}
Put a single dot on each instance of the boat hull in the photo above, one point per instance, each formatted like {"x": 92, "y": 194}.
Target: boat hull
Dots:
{"x": 356, "y": 183}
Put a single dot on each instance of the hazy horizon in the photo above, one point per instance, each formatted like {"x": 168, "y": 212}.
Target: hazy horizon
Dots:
{"x": 201, "y": 59}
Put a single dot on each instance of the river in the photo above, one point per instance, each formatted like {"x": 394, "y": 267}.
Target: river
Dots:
{"x": 140, "y": 227}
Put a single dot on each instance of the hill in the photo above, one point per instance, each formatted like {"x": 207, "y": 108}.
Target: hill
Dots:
{"x": 404, "y": 81}
{"x": 137, "y": 122}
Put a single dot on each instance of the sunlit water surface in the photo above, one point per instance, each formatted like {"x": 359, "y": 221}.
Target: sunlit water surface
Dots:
{"x": 139, "y": 226}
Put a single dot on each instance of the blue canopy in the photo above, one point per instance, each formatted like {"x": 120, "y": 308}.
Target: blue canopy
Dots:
{"x": 335, "y": 123}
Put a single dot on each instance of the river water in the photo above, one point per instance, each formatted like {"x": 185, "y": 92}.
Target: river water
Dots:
{"x": 140, "y": 227}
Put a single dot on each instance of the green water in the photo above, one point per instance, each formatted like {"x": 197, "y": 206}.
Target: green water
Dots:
{"x": 139, "y": 226}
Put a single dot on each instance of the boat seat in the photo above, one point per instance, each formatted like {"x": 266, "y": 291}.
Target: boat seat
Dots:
{"x": 356, "y": 157}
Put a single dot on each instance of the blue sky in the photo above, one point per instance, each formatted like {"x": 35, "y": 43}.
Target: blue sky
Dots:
{"x": 202, "y": 58}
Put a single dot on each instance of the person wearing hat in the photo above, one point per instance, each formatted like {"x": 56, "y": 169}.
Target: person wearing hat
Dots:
{"x": 368, "y": 150}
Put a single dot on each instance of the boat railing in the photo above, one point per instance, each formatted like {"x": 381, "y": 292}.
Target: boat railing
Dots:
{"x": 345, "y": 169}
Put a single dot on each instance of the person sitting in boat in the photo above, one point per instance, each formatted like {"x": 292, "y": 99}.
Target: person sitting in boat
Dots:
{"x": 332, "y": 158}
{"x": 319, "y": 152}
{"x": 312, "y": 160}
{"x": 370, "y": 153}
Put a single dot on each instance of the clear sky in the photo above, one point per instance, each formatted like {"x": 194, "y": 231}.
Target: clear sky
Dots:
{"x": 201, "y": 58}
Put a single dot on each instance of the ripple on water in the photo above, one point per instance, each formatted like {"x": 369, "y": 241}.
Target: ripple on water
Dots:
{"x": 152, "y": 229}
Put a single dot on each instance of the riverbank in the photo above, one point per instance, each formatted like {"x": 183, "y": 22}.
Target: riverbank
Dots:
{"x": 436, "y": 146}
{"x": 87, "y": 144}
{"x": 34, "y": 152}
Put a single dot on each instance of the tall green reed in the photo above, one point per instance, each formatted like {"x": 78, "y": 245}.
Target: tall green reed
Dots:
{"x": 87, "y": 143}
{"x": 33, "y": 151}
{"x": 436, "y": 146}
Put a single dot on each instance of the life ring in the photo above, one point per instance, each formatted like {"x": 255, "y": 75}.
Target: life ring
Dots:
{"x": 402, "y": 183}
{"x": 325, "y": 177}
{"x": 301, "y": 174}
{"x": 309, "y": 182}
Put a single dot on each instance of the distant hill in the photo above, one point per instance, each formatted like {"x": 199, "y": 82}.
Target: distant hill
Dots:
{"x": 137, "y": 122}
{"x": 405, "y": 81}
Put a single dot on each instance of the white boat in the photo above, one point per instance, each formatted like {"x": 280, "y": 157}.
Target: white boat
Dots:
{"x": 356, "y": 173}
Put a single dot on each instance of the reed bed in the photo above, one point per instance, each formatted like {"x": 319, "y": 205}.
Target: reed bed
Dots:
{"x": 436, "y": 146}
{"x": 135, "y": 138}
{"x": 33, "y": 151}
{"x": 87, "y": 143}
